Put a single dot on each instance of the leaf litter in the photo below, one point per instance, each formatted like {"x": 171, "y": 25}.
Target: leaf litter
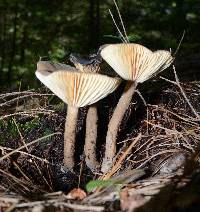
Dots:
{"x": 158, "y": 155}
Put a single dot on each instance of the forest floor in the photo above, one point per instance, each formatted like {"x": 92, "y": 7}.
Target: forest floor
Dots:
{"x": 156, "y": 169}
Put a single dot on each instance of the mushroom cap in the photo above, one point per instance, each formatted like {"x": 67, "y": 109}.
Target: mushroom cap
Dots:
{"x": 75, "y": 88}
{"x": 91, "y": 64}
{"x": 135, "y": 62}
{"x": 48, "y": 67}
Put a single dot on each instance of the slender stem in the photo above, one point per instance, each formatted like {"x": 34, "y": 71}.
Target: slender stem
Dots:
{"x": 69, "y": 137}
{"x": 90, "y": 139}
{"x": 114, "y": 125}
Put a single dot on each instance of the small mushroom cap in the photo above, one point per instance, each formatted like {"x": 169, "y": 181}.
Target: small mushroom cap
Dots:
{"x": 48, "y": 67}
{"x": 92, "y": 64}
{"x": 135, "y": 62}
{"x": 75, "y": 88}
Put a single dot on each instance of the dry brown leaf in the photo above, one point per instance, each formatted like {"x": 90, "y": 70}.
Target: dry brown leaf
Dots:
{"x": 76, "y": 194}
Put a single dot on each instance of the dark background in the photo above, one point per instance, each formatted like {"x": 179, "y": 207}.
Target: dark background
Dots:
{"x": 30, "y": 29}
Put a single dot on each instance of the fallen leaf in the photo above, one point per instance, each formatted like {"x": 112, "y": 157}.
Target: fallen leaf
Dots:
{"x": 76, "y": 194}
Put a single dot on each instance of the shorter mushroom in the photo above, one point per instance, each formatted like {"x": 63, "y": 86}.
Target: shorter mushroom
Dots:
{"x": 136, "y": 64}
{"x": 90, "y": 65}
{"x": 77, "y": 90}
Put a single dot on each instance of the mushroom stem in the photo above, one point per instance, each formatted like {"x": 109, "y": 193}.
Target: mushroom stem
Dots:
{"x": 90, "y": 138}
{"x": 69, "y": 137}
{"x": 114, "y": 125}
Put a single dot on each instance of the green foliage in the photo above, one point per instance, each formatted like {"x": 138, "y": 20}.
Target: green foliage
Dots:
{"x": 12, "y": 128}
{"x": 102, "y": 184}
{"x": 45, "y": 141}
{"x": 134, "y": 38}
{"x": 114, "y": 38}
{"x": 2, "y": 124}
{"x": 47, "y": 132}
{"x": 59, "y": 107}
{"x": 57, "y": 53}
{"x": 8, "y": 130}
{"x": 31, "y": 31}
{"x": 2, "y": 136}
{"x": 131, "y": 37}
{"x": 2, "y": 140}
{"x": 29, "y": 125}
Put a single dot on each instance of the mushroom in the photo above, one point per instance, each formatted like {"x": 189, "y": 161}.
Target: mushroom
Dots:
{"x": 77, "y": 90}
{"x": 135, "y": 63}
{"x": 89, "y": 66}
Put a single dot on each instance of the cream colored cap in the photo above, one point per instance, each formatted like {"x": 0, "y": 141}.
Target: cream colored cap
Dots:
{"x": 76, "y": 88}
{"x": 135, "y": 62}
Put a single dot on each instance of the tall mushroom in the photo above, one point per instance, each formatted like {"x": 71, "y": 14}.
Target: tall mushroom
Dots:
{"x": 91, "y": 65}
{"x": 135, "y": 63}
{"x": 77, "y": 90}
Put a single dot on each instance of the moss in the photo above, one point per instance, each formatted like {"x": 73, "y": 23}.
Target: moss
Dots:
{"x": 8, "y": 128}
{"x": 45, "y": 141}
{"x": 2, "y": 123}
{"x": 2, "y": 137}
{"x": 59, "y": 107}
{"x": 46, "y": 132}
{"x": 29, "y": 125}
{"x": 12, "y": 129}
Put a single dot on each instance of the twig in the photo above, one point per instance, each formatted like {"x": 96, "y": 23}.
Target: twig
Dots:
{"x": 180, "y": 42}
{"x": 183, "y": 93}
{"x": 142, "y": 98}
{"x": 19, "y": 181}
{"x": 17, "y": 93}
{"x": 25, "y": 153}
{"x": 23, "y": 174}
{"x": 122, "y": 23}
{"x": 178, "y": 116}
{"x": 33, "y": 112}
{"x": 80, "y": 172}
{"x": 22, "y": 97}
{"x": 123, "y": 39}
{"x": 159, "y": 153}
{"x": 20, "y": 134}
{"x": 42, "y": 176}
{"x": 57, "y": 203}
{"x": 25, "y": 146}
{"x": 177, "y": 83}
{"x": 164, "y": 128}
{"x": 118, "y": 164}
